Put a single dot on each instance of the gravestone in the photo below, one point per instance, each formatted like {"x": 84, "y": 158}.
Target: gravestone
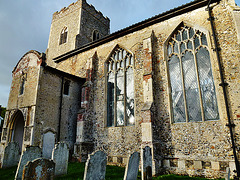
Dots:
{"x": 147, "y": 163}
{"x": 95, "y": 168}
{"x": 131, "y": 170}
{"x": 31, "y": 153}
{"x": 60, "y": 157}
{"x": 48, "y": 144}
{"x": 39, "y": 169}
{"x": 11, "y": 155}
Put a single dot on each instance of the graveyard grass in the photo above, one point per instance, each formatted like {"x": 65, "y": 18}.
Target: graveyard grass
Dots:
{"x": 76, "y": 171}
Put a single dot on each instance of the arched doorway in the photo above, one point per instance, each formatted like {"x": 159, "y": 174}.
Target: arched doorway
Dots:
{"x": 17, "y": 128}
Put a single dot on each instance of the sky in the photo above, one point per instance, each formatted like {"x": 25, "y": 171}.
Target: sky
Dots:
{"x": 25, "y": 26}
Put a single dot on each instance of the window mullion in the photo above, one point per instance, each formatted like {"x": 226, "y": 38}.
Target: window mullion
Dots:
{"x": 115, "y": 95}
{"x": 199, "y": 86}
{"x": 184, "y": 93}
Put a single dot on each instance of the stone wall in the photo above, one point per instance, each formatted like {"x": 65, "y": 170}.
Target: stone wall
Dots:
{"x": 195, "y": 148}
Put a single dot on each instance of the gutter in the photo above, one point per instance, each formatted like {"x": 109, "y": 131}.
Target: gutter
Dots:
{"x": 224, "y": 85}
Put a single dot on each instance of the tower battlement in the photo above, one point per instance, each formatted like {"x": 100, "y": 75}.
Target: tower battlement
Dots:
{"x": 76, "y": 6}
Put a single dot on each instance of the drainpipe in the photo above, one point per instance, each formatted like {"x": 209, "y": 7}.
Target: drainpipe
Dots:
{"x": 60, "y": 110}
{"x": 224, "y": 85}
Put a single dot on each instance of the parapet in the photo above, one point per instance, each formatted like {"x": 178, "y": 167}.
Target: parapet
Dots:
{"x": 76, "y": 6}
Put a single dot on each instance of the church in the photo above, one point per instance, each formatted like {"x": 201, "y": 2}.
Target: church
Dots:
{"x": 170, "y": 82}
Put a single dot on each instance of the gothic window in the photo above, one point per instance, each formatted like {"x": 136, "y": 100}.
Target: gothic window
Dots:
{"x": 120, "y": 89}
{"x": 95, "y": 35}
{"x": 63, "y": 36}
{"x": 193, "y": 96}
{"x": 66, "y": 87}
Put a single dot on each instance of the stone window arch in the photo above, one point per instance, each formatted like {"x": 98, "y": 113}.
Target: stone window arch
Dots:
{"x": 63, "y": 36}
{"x": 120, "y": 88}
{"x": 192, "y": 91}
{"x": 95, "y": 35}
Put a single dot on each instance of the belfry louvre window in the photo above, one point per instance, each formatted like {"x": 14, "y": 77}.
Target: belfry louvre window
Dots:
{"x": 193, "y": 96}
{"x": 120, "y": 88}
{"x": 63, "y": 36}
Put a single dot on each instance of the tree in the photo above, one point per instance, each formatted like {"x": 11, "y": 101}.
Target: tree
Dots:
{"x": 2, "y": 111}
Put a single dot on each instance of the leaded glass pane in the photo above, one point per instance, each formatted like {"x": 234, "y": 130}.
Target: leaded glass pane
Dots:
{"x": 191, "y": 33}
{"x": 120, "y": 55}
{"x": 184, "y": 34}
{"x": 183, "y": 47}
{"x": 169, "y": 49}
{"x": 178, "y": 36}
{"x": 110, "y": 99}
{"x": 196, "y": 41}
{"x": 113, "y": 65}
{"x": 118, "y": 65}
{"x": 189, "y": 45}
{"x": 130, "y": 97}
{"x": 131, "y": 60}
{"x": 175, "y": 47}
{"x": 204, "y": 39}
{"x": 124, "y": 53}
{"x": 127, "y": 61}
{"x": 177, "y": 90}
{"x": 191, "y": 87}
{"x": 120, "y": 98}
{"x": 207, "y": 85}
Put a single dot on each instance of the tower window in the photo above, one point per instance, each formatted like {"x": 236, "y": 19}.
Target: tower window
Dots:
{"x": 63, "y": 36}
{"x": 193, "y": 96}
{"x": 66, "y": 87}
{"x": 95, "y": 35}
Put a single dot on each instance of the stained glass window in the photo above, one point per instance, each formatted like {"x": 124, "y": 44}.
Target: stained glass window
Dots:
{"x": 193, "y": 96}
{"x": 120, "y": 89}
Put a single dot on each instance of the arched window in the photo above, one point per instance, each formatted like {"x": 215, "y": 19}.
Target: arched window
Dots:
{"x": 63, "y": 36}
{"x": 193, "y": 96}
{"x": 22, "y": 84}
{"x": 66, "y": 87}
{"x": 95, "y": 35}
{"x": 120, "y": 89}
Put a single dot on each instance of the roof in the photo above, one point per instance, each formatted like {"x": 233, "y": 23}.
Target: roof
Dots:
{"x": 138, "y": 26}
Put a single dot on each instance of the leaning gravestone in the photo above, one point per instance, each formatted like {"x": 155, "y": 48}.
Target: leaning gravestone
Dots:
{"x": 39, "y": 169}
{"x": 131, "y": 170}
{"x": 147, "y": 163}
{"x": 31, "y": 153}
{"x": 11, "y": 155}
{"x": 60, "y": 157}
{"x": 95, "y": 168}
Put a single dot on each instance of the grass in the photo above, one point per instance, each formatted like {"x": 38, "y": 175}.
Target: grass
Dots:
{"x": 76, "y": 172}
{"x": 8, "y": 173}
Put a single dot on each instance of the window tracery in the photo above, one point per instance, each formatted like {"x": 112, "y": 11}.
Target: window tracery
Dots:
{"x": 120, "y": 89}
{"x": 193, "y": 96}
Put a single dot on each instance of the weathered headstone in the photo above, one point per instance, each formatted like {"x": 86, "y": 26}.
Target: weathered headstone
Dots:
{"x": 227, "y": 176}
{"x": 95, "y": 168}
{"x": 31, "y": 153}
{"x": 60, "y": 157}
{"x": 131, "y": 170}
{"x": 11, "y": 155}
{"x": 48, "y": 144}
{"x": 39, "y": 169}
{"x": 147, "y": 163}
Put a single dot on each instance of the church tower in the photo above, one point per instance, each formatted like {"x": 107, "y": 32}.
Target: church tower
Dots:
{"x": 75, "y": 26}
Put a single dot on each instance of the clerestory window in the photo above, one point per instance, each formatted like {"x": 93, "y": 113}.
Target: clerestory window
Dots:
{"x": 63, "y": 36}
{"x": 120, "y": 88}
{"x": 193, "y": 96}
